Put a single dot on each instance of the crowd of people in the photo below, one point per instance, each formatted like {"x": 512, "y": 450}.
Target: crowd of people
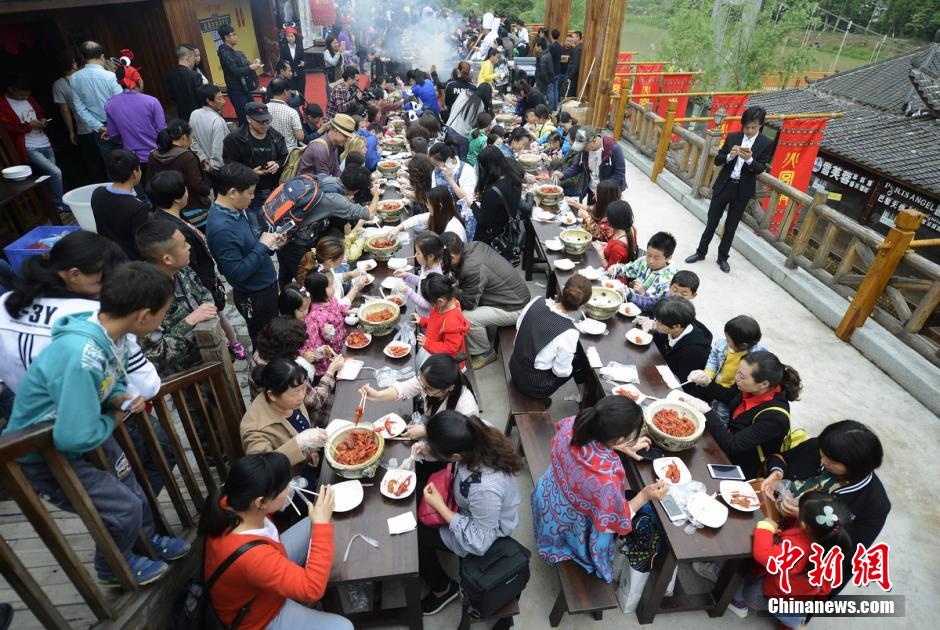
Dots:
{"x": 89, "y": 329}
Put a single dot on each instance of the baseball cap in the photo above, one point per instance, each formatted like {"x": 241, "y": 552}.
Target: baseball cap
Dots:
{"x": 344, "y": 124}
{"x": 582, "y": 137}
{"x": 257, "y": 111}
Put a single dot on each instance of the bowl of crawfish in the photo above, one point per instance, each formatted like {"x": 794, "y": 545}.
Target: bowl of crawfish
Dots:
{"x": 393, "y": 144}
{"x": 673, "y": 426}
{"x": 382, "y": 246}
{"x": 549, "y": 194}
{"x": 379, "y": 317}
{"x": 354, "y": 452}
{"x": 391, "y": 210}
{"x": 389, "y": 168}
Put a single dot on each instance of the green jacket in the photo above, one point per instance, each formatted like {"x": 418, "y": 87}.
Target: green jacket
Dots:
{"x": 172, "y": 347}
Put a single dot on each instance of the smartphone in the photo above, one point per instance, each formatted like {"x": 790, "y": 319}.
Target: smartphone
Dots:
{"x": 725, "y": 471}
{"x": 650, "y": 453}
{"x": 673, "y": 511}
{"x": 285, "y": 227}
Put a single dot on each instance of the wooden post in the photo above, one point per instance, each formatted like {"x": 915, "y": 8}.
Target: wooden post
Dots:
{"x": 664, "y": 136}
{"x": 593, "y": 15}
{"x": 213, "y": 346}
{"x": 806, "y": 230}
{"x": 889, "y": 254}
{"x": 622, "y": 101}
{"x": 607, "y": 61}
{"x": 712, "y": 138}
{"x": 558, "y": 15}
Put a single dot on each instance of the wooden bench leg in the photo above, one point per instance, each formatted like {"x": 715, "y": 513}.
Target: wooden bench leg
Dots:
{"x": 510, "y": 423}
{"x": 558, "y": 610}
{"x": 598, "y": 615}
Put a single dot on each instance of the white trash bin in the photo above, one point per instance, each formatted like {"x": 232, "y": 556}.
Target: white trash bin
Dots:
{"x": 79, "y": 200}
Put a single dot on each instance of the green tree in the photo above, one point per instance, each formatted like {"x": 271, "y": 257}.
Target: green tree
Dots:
{"x": 751, "y": 46}
{"x": 914, "y": 18}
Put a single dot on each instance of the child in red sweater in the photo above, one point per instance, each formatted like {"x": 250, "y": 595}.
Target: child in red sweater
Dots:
{"x": 824, "y": 520}
{"x": 621, "y": 247}
{"x": 445, "y": 327}
{"x": 270, "y": 583}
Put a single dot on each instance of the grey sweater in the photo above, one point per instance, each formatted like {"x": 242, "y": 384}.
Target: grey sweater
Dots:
{"x": 488, "y": 502}
{"x": 488, "y": 279}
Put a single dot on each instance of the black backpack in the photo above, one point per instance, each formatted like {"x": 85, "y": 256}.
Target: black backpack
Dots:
{"x": 193, "y": 608}
{"x": 490, "y": 581}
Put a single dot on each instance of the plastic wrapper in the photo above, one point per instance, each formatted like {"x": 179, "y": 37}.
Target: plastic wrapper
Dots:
{"x": 386, "y": 376}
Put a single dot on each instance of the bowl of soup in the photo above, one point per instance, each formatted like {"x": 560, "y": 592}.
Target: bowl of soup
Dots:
{"x": 603, "y": 303}
{"x": 575, "y": 241}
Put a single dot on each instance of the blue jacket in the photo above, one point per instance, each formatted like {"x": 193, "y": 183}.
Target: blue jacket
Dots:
{"x": 428, "y": 95}
{"x": 72, "y": 383}
{"x": 372, "y": 148}
{"x": 241, "y": 257}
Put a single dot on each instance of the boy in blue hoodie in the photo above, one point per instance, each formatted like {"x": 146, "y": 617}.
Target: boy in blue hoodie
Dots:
{"x": 80, "y": 384}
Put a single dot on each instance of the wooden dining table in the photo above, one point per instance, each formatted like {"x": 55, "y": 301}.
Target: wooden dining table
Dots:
{"x": 730, "y": 544}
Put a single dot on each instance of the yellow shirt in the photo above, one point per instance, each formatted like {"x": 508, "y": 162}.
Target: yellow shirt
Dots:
{"x": 486, "y": 73}
{"x": 729, "y": 368}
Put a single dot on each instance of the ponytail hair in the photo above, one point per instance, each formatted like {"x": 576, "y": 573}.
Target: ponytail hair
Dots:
{"x": 827, "y": 521}
{"x": 612, "y": 418}
{"x": 430, "y": 243}
{"x": 263, "y": 475}
{"x": 767, "y": 367}
{"x": 38, "y": 276}
{"x": 478, "y": 444}
{"x": 175, "y": 130}
{"x": 307, "y": 264}
{"x": 438, "y": 286}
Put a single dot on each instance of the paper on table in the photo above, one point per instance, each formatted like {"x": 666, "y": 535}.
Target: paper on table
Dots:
{"x": 594, "y": 359}
{"x": 668, "y": 377}
{"x": 402, "y": 523}
{"x": 620, "y": 372}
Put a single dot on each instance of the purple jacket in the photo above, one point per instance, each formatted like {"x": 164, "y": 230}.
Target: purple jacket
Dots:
{"x": 134, "y": 119}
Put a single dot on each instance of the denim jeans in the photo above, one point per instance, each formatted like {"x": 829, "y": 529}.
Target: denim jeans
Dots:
{"x": 552, "y": 95}
{"x": 117, "y": 497}
{"x": 147, "y": 458}
{"x": 43, "y": 159}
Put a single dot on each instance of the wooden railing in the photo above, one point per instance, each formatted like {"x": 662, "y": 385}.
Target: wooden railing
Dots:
{"x": 847, "y": 257}
{"x": 199, "y": 417}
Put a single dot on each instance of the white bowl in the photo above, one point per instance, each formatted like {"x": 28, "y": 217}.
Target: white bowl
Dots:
{"x": 391, "y": 283}
{"x": 729, "y": 487}
{"x": 397, "y": 344}
{"x": 707, "y": 510}
{"x": 630, "y": 391}
{"x": 351, "y": 320}
{"x": 565, "y": 264}
{"x": 590, "y": 273}
{"x": 393, "y": 421}
{"x": 639, "y": 337}
{"x": 368, "y": 341}
{"x": 554, "y": 245}
{"x": 397, "y": 263}
{"x": 591, "y": 326}
{"x": 629, "y": 309}
{"x": 17, "y": 173}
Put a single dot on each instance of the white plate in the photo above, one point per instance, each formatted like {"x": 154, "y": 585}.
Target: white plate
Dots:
{"x": 554, "y": 245}
{"x": 347, "y": 495}
{"x": 638, "y": 337}
{"x": 629, "y": 309}
{"x": 337, "y": 425}
{"x": 591, "y": 326}
{"x": 350, "y": 371}
{"x": 366, "y": 265}
{"x": 368, "y": 336}
{"x": 398, "y": 476}
{"x": 630, "y": 391}
{"x": 396, "y": 422}
{"x": 17, "y": 173}
{"x": 388, "y": 348}
{"x": 397, "y": 263}
{"x": 369, "y": 278}
{"x": 541, "y": 215}
{"x": 391, "y": 283}
{"x": 707, "y": 510}
{"x": 661, "y": 465}
{"x": 727, "y": 487}
{"x": 590, "y": 273}
{"x": 565, "y": 264}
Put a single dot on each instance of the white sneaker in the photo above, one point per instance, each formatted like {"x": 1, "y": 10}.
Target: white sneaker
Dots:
{"x": 738, "y": 608}
{"x": 706, "y": 570}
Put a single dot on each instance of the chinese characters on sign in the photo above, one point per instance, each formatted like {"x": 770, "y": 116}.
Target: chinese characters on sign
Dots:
{"x": 793, "y": 161}
{"x": 838, "y": 174}
{"x": 825, "y": 572}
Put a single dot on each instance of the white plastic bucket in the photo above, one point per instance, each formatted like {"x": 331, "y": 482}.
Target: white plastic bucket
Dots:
{"x": 79, "y": 200}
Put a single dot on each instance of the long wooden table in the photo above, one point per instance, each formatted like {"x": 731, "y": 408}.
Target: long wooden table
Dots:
{"x": 729, "y": 544}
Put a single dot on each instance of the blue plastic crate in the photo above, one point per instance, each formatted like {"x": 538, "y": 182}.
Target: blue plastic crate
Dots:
{"x": 17, "y": 251}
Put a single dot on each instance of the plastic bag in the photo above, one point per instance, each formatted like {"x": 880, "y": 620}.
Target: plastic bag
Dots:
{"x": 405, "y": 332}
{"x": 386, "y": 376}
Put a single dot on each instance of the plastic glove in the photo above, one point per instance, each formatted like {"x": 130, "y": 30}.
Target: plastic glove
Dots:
{"x": 328, "y": 331}
{"x": 645, "y": 323}
{"x": 700, "y": 378}
{"x": 311, "y": 439}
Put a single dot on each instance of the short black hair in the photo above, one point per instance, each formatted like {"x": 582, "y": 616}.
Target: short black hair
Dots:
{"x": 234, "y": 175}
{"x": 152, "y": 238}
{"x": 314, "y": 110}
{"x": 356, "y": 178}
{"x": 121, "y": 164}
{"x": 744, "y": 331}
{"x": 541, "y": 110}
{"x": 441, "y": 152}
{"x": 225, "y": 30}
{"x": 664, "y": 242}
{"x": 133, "y": 286}
{"x": 418, "y": 144}
{"x": 283, "y": 64}
{"x": 350, "y": 72}
{"x": 672, "y": 310}
{"x": 752, "y": 114}
{"x": 207, "y": 92}
{"x": 166, "y": 187}
{"x": 854, "y": 445}
{"x": 291, "y": 298}
{"x": 277, "y": 86}
{"x": 91, "y": 50}
{"x": 556, "y": 33}
{"x": 687, "y": 280}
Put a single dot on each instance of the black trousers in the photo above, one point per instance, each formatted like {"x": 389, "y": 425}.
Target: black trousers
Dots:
{"x": 729, "y": 196}
{"x": 288, "y": 259}
{"x": 257, "y": 307}
{"x": 429, "y": 565}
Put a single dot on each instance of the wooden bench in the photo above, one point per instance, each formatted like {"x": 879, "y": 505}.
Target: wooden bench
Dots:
{"x": 471, "y": 377}
{"x": 518, "y": 402}
{"x": 579, "y": 591}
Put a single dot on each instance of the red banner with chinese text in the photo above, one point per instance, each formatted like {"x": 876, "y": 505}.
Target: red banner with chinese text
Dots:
{"x": 624, "y": 63}
{"x": 674, "y": 84}
{"x": 645, "y": 84}
{"x": 797, "y": 146}
{"x": 323, "y": 12}
{"x": 734, "y": 105}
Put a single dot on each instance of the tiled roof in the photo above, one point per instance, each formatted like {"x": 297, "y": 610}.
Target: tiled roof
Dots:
{"x": 928, "y": 89}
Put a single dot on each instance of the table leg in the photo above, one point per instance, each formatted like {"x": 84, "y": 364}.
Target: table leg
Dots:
{"x": 528, "y": 253}
{"x": 413, "y": 603}
{"x": 656, "y": 588}
{"x": 729, "y": 578}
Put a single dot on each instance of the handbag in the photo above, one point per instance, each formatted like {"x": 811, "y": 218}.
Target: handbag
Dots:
{"x": 490, "y": 581}
{"x": 510, "y": 239}
{"x": 193, "y": 608}
{"x": 443, "y": 480}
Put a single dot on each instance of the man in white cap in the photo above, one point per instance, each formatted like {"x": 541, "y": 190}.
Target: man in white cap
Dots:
{"x": 321, "y": 157}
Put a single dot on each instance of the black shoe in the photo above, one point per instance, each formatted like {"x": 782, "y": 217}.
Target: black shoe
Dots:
{"x": 694, "y": 258}
{"x": 6, "y": 616}
{"x": 433, "y": 604}
{"x": 724, "y": 266}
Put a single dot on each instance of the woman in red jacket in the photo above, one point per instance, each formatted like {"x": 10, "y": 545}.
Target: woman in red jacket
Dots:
{"x": 271, "y": 584}
{"x": 445, "y": 327}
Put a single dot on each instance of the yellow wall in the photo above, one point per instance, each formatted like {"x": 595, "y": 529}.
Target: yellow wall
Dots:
{"x": 211, "y": 15}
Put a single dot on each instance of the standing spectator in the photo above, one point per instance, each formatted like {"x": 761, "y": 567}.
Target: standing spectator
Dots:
{"x": 209, "y": 128}
{"x": 135, "y": 119}
{"x": 341, "y": 99}
{"x": 461, "y": 84}
{"x": 601, "y": 158}
{"x": 24, "y": 120}
{"x": 197, "y": 65}
{"x": 292, "y": 51}
{"x": 423, "y": 87}
{"x": 332, "y": 60}
{"x": 260, "y": 148}
{"x": 80, "y": 133}
{"x": 173, "y": 153}
{"x": 321, "y": 157}
{"x": 488, "y": 67}
{"x": 240, "y": 77}
{"x": 182, "y": 81}
{"x": 499, "y": 189}
{"x": 284, "y": 118}
{"x": 117, "y": 210}
{"x": 243, "y": 257}
{"x": 92, "y": 86}
{"x": 556, "y": 50}
{"x": 574, "y": 63}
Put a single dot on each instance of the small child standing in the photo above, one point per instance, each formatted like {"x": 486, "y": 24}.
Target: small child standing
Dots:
{"x": 621, "y": 247}
{"x": 478, "y": 137}
{"x": 823, "y": 520}
{"x": 430, "y": 255}
{"x": 652, "y": 273}
{"x": 446, "y": 327}
{"x": 325, "y": 325}
{"x": 742, "y": 336}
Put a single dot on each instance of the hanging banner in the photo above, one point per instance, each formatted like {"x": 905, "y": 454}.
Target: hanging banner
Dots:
{"x": 323, "y": 12}
{"x": 675, "y": 84}
{"x": 734, "y": 105}
{"x": 797, "y": 146}
{"x": 624, "y": 62}
{"x": 648, "y": 84}
{"x": 210, "y": 16}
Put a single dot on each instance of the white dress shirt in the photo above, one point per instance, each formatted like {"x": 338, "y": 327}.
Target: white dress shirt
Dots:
{"x": 558, "y": 354}
{"x": 746, "y": 143}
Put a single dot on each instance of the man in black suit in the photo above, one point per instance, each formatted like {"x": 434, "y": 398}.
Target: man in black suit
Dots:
{"x": 744, "y": 155}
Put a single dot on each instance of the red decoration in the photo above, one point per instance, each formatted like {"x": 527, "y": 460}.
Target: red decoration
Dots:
{"x": 797, "y": 146}
{"x": 323, "y": 12}
{"x": 674, "y": 84}
{"x": 648, "y": 84}
{"x": 734, "y": 105}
